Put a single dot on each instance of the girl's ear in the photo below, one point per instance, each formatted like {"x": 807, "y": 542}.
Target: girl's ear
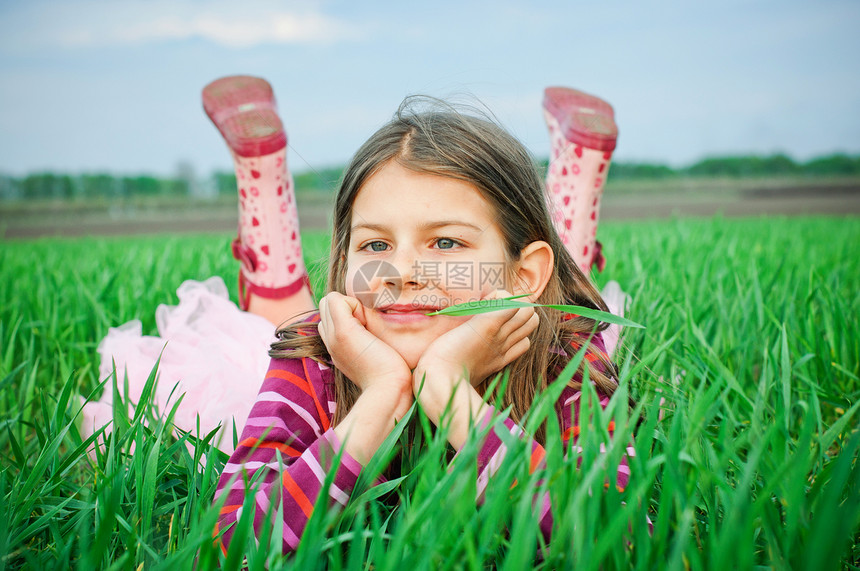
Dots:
{"x": 534, "y": 269}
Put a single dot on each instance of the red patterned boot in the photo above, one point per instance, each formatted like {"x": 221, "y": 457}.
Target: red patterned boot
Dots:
{"x": 269, "y": 244}
{"x": 583, "y": 135}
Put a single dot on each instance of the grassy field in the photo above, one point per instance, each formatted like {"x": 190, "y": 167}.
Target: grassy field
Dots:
{"x": 746, "y": 379}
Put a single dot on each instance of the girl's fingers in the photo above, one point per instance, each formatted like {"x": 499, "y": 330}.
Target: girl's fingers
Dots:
{"x": 342, "y": 308}
{"x": 506, "y": 333}
{"x": 342, "y": 320}
{"x": 517, "y": 350}
{"x": 513, "y": 317}
{"x": 356, "y": 308}
{"x": 508, "y": 327}
{"x": 334, "y": 313}
{"x": 340, "y": 323}
{"x": 352, "y": 303}
{"x": 522, "y": 328}
{"x": 525, "y": 326}
{"x": 522, "y": 318}
{"x": 502, "y": 316}
{"x": 325, "y": 321}
{"x": 518, "y": 323}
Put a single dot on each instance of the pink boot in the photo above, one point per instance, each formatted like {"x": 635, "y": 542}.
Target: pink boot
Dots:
{"x": 269, "y": 245}
{"x": 583, "y": 135}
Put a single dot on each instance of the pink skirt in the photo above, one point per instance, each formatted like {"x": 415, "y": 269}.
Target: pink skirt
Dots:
{"x": 210, "y": 351}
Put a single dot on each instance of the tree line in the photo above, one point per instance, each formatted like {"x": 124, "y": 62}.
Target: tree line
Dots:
{"x": 751, "y": 166}
{"x": 47, "y": 185}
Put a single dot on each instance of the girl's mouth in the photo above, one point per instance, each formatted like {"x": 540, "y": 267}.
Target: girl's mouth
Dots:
{"x": 406, "y": 313}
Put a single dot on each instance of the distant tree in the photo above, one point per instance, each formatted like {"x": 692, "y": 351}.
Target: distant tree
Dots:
{"x": 744, "y": 166}
{"x": 224, "y": 183}
{"x": 175, "y": 187}
{"x": 142, "y": 185}
{"x": 320, "y": 180}
{"x": 100, "y": 186}
{"x": 837, "y": 164}
{"x": 779, "y": 164}
{"x": 47, "y": 185}
{"x": 622, "y": 170}
{"x": 10, "y": 188}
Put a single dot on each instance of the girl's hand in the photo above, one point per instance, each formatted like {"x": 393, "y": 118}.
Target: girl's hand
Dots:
{"x": 364, "y": 358}
{"x": 377, "y": 369}
{"x": 474, "y": 350}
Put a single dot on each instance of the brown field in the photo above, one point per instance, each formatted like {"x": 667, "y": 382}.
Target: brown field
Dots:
{"x": 622, "y": 201}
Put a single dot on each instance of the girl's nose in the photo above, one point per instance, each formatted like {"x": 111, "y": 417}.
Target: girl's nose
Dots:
{"x": 408, "y": 268}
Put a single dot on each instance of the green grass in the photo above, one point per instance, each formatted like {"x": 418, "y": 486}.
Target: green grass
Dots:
{"x": 750, "y": 459}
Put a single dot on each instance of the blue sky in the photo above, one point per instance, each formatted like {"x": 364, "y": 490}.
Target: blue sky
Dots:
{"x": 89, "y": 85}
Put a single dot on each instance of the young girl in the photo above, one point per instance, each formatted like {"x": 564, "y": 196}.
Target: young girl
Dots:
{"x": 214, "y": 353}
{"x": 436, "y": 208}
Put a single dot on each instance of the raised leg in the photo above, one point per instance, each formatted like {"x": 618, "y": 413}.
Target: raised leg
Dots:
{"x": 583, "y": 135}
{"x": 273, "y": 281}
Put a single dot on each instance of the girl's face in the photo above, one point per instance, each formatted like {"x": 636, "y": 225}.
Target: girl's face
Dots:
{"x": 418, "y": 243}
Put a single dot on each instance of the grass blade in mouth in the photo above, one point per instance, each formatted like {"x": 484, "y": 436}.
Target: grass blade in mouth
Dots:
{"x": 487, "y": 305}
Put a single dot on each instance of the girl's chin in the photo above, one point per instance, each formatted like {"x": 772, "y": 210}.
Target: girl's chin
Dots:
{"x": 411, "y": 352}
{"x": 410, "y": 356}
{"x": 412, "y": 343}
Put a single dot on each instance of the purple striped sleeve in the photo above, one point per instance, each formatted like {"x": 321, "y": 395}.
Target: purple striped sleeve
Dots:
{"x": 288, "y": 442}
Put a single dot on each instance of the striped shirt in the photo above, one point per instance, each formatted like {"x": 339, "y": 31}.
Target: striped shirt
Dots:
{"x": 288, "y": 446}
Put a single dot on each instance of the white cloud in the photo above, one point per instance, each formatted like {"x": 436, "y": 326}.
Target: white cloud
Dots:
{"x": 88, "y": 23}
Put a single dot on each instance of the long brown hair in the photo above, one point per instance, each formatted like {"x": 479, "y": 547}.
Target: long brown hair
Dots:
{"x": 446, "y": 142}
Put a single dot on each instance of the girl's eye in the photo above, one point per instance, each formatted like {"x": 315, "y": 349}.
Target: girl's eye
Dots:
{"x": 446, "y": 243}
{"x": 375, "y": 246}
